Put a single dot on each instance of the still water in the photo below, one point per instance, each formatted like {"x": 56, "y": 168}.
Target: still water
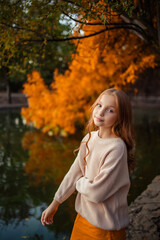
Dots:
{"x": 32, "y": 166}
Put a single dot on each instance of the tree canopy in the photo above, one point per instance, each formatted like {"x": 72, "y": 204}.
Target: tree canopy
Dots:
{"x": 28, "y": 20}
{"x": 37, "y": 21}
{"x": 35, "y": 34}
{"x": 101, "y": 62}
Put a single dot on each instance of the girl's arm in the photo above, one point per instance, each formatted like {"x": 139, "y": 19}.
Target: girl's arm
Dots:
{"x": 112, "y": 176}
{"x": 66, "y": 188}
{"x": 48, "y": 214}
{"x": 76, "y": 171}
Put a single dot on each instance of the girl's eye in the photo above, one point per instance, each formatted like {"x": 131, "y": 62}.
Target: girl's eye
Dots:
{"x": 98, "y": 104}
{"x": 109, "y": 110}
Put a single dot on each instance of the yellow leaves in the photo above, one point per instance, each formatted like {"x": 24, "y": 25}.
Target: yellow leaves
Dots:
{"x": 38, "y": 99}
{"x": 131, "y": 74}
{"x": 17, "y": 39}
{"x": 148, "y": 61}
{"x": 45, "y": 41}
{"x": 102, "y": 61}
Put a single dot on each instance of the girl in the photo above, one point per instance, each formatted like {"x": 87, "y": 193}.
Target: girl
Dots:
{"x": 100, "y": 172}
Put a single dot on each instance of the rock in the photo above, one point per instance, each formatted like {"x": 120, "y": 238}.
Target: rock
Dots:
{"x": 144, "y": 214}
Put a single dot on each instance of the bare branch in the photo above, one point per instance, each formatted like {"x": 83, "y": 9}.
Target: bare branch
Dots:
{"x": 125, "y": 25}
{"x": 139, "y": 28}
{"x": 53, "y": 39}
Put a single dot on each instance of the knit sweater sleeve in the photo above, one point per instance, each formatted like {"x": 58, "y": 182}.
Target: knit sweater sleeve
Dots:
{"x": 68, "y": 184}
{"x": 112, "y": 176}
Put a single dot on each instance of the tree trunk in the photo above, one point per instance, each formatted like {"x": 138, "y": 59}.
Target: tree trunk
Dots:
{"x": 8, "y": 85}
{"x": 9, "y": 98}
{"x": 158, "y": 20}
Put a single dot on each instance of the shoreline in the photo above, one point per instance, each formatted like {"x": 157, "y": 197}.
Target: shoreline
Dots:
{"x": 150, "y": 101}
{"x": 20, "y": 100}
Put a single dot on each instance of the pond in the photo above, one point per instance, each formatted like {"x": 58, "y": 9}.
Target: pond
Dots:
{"x": 32, "y": 166}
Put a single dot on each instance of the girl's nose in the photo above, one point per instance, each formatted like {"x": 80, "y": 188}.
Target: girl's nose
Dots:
{"x": 101, "y": 113}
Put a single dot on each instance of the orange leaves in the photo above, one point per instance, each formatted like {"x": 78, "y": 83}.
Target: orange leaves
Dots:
{"x": 39, "y": 98}
{"x": 113, "y": 59}
{"x": 133, "y": 71}
{"x": 148, "y": 62}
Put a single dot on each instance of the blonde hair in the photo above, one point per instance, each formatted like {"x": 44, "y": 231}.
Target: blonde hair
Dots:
{"x": 122, "y": 127}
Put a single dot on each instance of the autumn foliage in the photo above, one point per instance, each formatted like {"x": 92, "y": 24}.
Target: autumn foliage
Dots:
{"x": 110, "y": 59}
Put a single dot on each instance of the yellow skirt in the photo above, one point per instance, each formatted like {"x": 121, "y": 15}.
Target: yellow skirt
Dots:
{"x": 83, "y": 230}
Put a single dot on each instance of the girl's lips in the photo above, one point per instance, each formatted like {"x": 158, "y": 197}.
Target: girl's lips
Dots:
{"x": 99, "y": 120}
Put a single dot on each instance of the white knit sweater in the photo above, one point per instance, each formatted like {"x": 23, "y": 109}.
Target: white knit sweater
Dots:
{"x": 102, "y": 185}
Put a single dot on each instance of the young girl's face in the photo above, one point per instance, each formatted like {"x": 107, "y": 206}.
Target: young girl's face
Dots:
{"x": 105, "y": 112}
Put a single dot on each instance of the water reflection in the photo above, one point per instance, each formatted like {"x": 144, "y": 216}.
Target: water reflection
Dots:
{"x": 147, "y": 129}
{"x": 32, "y": 166}
{"x": 13, "y": 183}
{"x": 49, "y": 157}
{"x": 29, "y": 178}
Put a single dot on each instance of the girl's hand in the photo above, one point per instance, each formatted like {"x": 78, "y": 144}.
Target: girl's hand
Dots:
{"x": 48, "y": 214}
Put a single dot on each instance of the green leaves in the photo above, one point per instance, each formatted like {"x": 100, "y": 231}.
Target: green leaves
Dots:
{"x": 26, "y": 30}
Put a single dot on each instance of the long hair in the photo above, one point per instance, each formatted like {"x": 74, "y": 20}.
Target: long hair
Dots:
{"x": 122, "y": 127}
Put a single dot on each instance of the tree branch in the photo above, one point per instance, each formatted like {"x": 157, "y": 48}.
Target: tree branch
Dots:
{"x": 123, "y": 25}
{"x": 139, "y": 29}
{"x": 53, "y": 39}
{"x": 144, "y": 29}
{"x": 18, "y": 28}
{"x": 158, "y": 20}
